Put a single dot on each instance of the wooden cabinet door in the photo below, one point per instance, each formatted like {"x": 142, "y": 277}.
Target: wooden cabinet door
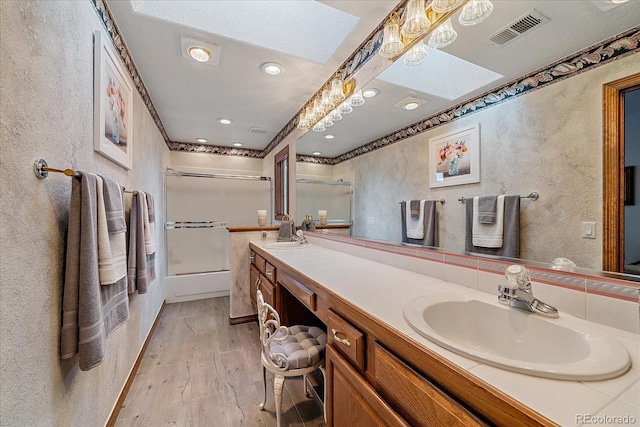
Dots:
{"x": 254, "y": 277}
{"x": 351, "y": 401}
{"x": 268, "y": 291}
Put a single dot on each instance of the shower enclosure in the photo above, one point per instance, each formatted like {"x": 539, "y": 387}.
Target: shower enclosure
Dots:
{"x": 200, "y": 207}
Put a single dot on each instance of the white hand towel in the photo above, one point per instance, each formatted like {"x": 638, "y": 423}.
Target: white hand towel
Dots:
{"x": 112, "y": 257}
{"x": 488, "y": 235}
{"x": 415, "y": 227}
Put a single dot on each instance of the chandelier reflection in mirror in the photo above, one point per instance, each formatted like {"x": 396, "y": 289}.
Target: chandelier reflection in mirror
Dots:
{"x": 418, "y": 20}
{"x": 400, "y": 35}
{"x": 335, "y": 100}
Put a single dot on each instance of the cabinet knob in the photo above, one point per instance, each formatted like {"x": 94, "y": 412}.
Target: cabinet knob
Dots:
{"x": 269, "y": 272}
{"x": 340, "y": 340}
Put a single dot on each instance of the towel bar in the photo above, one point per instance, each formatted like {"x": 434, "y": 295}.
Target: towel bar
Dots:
{"x": 441, "y": 200}
{"x": 533, "y": 196}
{"x": 41, "y": 169}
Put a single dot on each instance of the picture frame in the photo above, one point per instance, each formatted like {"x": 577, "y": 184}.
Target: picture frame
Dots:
{"x": 113, "y": 102}
{"x": 454, "y": 158}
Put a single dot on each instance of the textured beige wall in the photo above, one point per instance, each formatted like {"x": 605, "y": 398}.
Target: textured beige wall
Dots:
{"x": 549, "y": 141}
{"x": 46, "y": 107}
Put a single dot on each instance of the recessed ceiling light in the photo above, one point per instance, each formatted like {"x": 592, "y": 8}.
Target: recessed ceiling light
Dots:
{"x": 202, "y": 140}
{"x": 411, "y": 105}
{"x": 329, "y": 136}
{"x": 316, "y": 153}
{"x": 619, "y": 1}
{"x": 237, "y": 144}
{"x": 271, "y": 68}
{"x": 225, "y": 121}
{"x": 370, "y": 93}
{"x": 199, "y": 53}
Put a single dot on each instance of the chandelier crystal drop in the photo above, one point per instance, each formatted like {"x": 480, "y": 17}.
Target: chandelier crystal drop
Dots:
{"x": 303, "y": 123}
{"x": 336, "y": 95}
{"x": 475, "y": 12}
{"x": 416, "y": 22}
{"x": 317, "y": 109}
{"x": 335, "y": 115}
{"x": 319, "y": 127}
{"x": 416, "y": 55}
{"x": 391, "y": 41}
{"x": 345, "y": 107}
{"x": 444, "y": 6}
{"x": 327, "y": 103}
{"x": 357, "y": 99}
{"x": 443, "y": 36}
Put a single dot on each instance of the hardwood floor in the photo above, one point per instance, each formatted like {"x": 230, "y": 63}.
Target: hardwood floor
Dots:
{"x": 200, "y": 371}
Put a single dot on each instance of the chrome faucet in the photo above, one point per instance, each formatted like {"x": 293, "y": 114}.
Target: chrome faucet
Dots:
{"x": 520, "y": 294}
{"x": 300, "y": 237}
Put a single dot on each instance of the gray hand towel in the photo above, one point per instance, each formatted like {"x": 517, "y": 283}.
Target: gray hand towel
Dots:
{"x": 90, "y": 312}
{"x": 487, "y": 206}
{"x": 137, "y": 277}
{"x": 511, "y": 236}
{"x": 430, "y": 224}
{"x": 286, "y": 231}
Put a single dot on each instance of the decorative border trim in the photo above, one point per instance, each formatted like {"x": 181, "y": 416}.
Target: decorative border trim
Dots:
{"x": 599, "y": 54}
{"x": 214, "y": 149}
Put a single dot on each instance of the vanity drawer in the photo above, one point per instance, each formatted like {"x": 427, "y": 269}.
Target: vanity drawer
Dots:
{"x": 270, "y": 272}
{"x": 346, "y": 338}
{"x": 415, "y": 397}
{"x": 300, "y": 291}
{"x": 260, "y": 263}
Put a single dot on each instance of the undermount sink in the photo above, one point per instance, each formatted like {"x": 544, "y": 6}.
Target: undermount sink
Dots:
{"x": 565, "y": 349}
{"x": 287, "y": 245}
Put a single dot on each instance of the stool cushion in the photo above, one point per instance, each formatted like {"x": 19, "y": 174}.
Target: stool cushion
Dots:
{"x": 303, "y": 347}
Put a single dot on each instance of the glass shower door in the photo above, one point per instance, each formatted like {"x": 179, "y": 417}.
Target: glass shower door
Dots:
{"x": 197, "y": 247}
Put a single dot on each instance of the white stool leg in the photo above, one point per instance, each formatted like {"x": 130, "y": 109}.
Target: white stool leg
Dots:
{"x": 264, "y": 386}
{"x": 307, "y": 392}
{"x": 324, "y": 398}
{"x": 278, "y": 384}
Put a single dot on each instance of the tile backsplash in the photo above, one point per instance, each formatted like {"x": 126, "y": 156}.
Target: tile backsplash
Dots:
{"x": 606, "y": 300}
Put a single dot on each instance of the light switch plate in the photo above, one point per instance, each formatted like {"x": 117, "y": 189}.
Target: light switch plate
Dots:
{"x": 588, "y": 230}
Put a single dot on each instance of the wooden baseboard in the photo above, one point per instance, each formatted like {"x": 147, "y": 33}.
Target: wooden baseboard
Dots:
{"x": 127, "y": 385}
{"x": 243, "y": 319}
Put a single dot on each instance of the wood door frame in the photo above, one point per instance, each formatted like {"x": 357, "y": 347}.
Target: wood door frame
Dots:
{"x": 613, "y": 171}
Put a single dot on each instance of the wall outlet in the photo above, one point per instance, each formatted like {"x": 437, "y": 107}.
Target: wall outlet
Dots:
{"x": 588, "y": 230}
{"x": 371, "y": 220}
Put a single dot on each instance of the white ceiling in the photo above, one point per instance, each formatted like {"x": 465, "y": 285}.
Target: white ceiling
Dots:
{"x": 190, "y": 97}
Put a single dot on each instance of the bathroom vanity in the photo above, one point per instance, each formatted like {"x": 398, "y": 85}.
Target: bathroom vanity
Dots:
{"x": 381, "y": 371}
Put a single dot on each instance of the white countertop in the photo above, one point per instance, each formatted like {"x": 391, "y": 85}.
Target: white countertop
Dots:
{"x": 382, "y": 291}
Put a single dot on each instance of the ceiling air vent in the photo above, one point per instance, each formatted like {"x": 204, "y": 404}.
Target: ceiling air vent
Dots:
{"x": 517, "y": 28}
{"x": 257, "y": 130}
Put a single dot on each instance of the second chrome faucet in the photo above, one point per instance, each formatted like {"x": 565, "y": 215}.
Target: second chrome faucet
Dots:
{"x": 520, "y": 294}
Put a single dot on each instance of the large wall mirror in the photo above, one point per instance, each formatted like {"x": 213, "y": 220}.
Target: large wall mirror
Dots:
{"x": 549, "y": 140}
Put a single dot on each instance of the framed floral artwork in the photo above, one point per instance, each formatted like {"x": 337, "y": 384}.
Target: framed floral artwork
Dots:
{"x": 112, "y": 104}
{"x": 454, "y": 158}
